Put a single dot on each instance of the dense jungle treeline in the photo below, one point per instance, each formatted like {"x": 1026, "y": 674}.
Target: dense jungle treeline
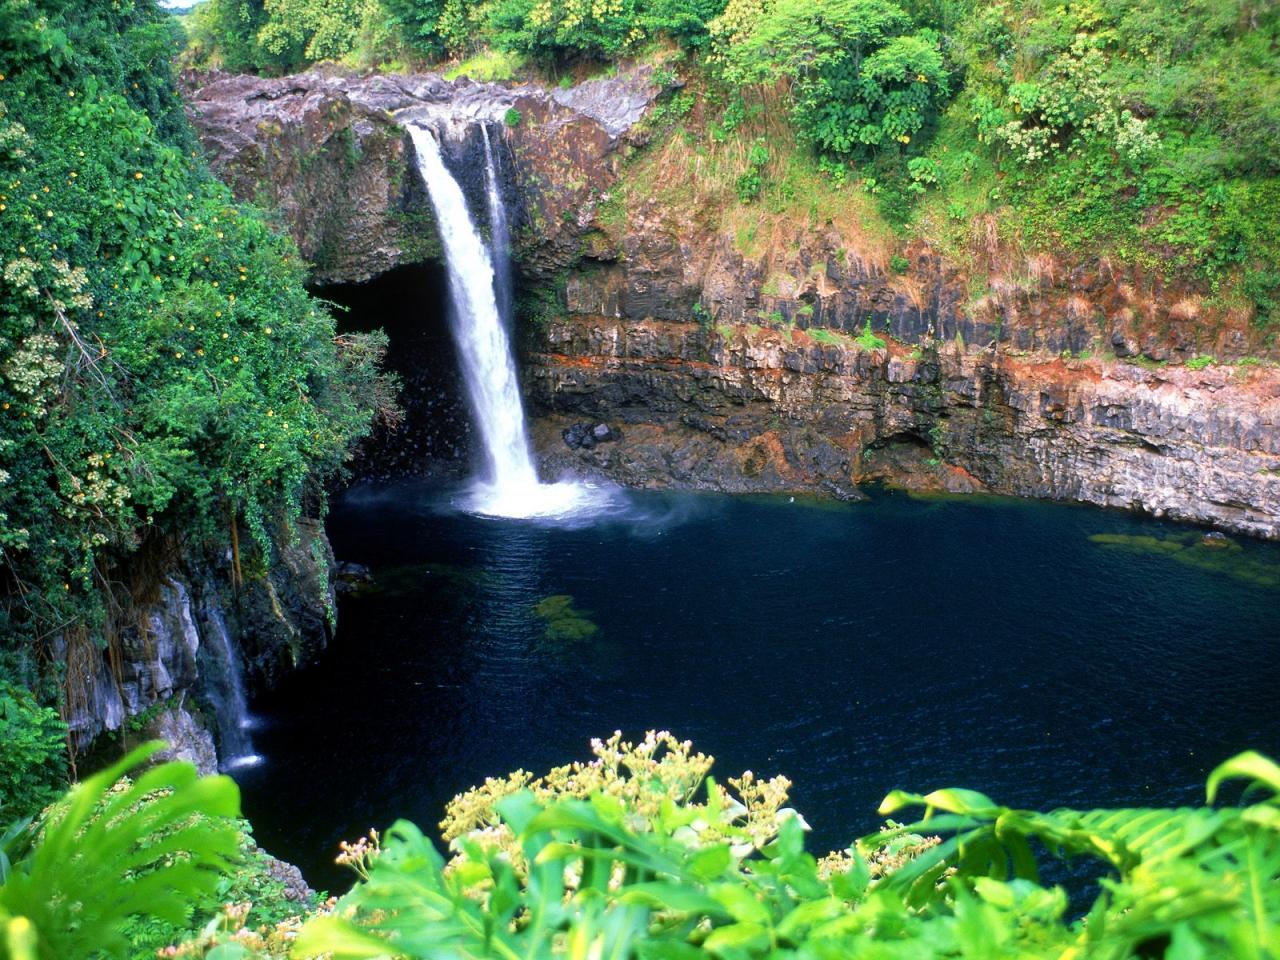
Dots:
{"x": 1142, "y": 134}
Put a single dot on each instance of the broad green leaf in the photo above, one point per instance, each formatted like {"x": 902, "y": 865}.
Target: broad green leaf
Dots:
{"x": 337, "y": 938}
{"x": 1249, "y": 765}
{"x": 736, "y": 936}
{"x": 709, "y": 862}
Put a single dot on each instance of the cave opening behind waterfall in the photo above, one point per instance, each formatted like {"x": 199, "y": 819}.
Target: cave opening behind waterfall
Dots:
{"x": 411, "y": 304}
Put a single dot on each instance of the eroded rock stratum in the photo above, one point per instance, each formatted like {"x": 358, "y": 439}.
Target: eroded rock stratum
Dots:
{"x": 726, "y": 349}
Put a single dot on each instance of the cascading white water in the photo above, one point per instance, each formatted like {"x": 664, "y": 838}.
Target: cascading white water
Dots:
{"x": 499, "y": 232}
{"x": 509, "y": 484}
{"x": 227, "y": 691}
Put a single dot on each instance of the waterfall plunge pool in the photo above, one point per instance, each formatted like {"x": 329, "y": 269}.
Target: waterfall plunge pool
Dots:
{"x": 1049, "y": 655}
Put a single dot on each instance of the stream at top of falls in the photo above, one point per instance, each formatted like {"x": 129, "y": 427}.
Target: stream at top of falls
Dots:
{"x": 1045, "y": 654}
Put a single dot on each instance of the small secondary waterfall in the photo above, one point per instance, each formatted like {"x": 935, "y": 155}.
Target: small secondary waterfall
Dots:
{"x": 226, "y": 690}
{"x": 500, "y": 232}
{"x": 509, "y": 484}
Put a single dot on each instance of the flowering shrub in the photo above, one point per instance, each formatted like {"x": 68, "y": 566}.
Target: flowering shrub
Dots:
{"x": 594, "y": 878}
{"x": 162, "y": 368}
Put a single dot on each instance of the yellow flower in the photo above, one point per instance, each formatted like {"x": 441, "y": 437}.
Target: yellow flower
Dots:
{"x": 138, "y": 175}
{"x": 236, "y": 358}
{"x": 262, "y": 446}
{"x": 267, "y": 331}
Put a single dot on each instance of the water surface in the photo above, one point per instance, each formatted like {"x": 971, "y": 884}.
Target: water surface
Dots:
{"x": 982, "y": 642}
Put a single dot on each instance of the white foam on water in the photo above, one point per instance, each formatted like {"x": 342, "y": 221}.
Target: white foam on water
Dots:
{"x": 508, "y": 484}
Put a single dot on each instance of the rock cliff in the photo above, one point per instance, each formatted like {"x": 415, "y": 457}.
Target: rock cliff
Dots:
{"x": 1025, "y": 373}
{"x": 746, "y": 408}
{"x": 165, "y": 669}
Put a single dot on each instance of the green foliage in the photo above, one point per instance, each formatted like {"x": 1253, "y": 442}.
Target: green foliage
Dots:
{"x": 861, "y": 75}
{"x": 750, "y": 182}
{"x": 899, "y": 264}
{"x": 1262, "y": 286}
{"x": 868, "y": 340}
{"x": 281, "y": 35}
{"x": 550, "y": 31}
{"x": 110, "y": 852}
{"x": 162, "y": 368}
{"x": 512, "y": 117}
{"x": 320, "y": 29}
{"x": 251, "y": 898}
{"x": 33, "y": 764}
{"x": 491, "y": 66}
{"x": 594, "y": 876}
{"x": 1122, "y": 129}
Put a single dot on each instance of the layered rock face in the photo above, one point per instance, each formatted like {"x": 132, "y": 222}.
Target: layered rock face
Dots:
{"x": 986, "y": 384}
{"x": 167, "y": 658}
{"x": 750, "y": 409}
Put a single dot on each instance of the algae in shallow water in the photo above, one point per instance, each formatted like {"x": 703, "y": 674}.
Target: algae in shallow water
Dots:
{"x": 1216, "y": 554}
{"x": 564, "y": 622}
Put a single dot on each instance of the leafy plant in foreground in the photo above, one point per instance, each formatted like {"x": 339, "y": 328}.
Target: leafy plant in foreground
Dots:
{"x": 110, "y": 851}
{"x": 33, "y": 759}
{"x": 592, "y": 882}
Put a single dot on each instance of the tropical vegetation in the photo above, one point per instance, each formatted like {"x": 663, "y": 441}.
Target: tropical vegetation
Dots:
{"x": 165, "y": 378}
{"x": 1144, "y": 134}
{"x": 641, "y": 853}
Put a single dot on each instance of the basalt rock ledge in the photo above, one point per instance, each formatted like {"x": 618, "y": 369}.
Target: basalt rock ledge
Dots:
{"x": 747, "y": 409}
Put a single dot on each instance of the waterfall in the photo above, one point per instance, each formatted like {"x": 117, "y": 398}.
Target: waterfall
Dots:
{"x": 499, "y": 232}
{"x": 226, "y": 691}
{"x": 508, "y": 484}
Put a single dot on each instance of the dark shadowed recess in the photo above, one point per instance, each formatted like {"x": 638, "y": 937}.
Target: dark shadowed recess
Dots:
{"x": 410, "y": 304}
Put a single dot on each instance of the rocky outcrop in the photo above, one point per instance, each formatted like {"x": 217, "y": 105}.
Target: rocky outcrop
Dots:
{"x": 329, "y": 154}
{"x": 750, "y": 409}
{"x": 165, "y": 658}
{"x": 1029, "y": 373}
{"x": 635, "y": 238}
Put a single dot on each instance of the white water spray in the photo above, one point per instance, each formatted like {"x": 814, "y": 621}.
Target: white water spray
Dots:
{"x": 509, "y": 484}
{"x": 500, "y": 233}
{"x": 231, "y": 705}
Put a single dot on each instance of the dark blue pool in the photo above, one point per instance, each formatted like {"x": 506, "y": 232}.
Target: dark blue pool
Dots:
{"x": 1048, "y": 655}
